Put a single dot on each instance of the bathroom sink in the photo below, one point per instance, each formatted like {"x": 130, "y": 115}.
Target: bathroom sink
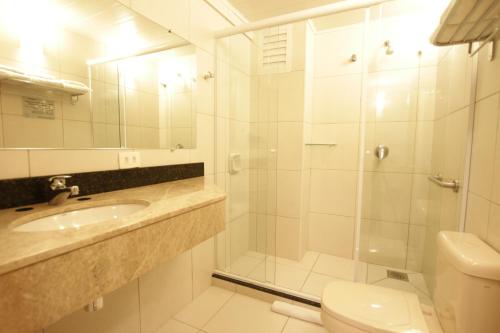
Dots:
{"x": 78, "y": 218}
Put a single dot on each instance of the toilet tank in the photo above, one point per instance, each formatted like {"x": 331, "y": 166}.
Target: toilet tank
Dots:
{"x": 467, "y": 293}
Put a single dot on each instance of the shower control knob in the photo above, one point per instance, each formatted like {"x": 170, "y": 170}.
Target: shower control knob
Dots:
{"x": 381, "y": 152}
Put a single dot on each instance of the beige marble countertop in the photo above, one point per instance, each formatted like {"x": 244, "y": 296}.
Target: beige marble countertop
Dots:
{"x": 20, "y": 249}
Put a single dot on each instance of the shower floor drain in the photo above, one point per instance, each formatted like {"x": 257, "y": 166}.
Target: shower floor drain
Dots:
{"x": 397, "y": 275}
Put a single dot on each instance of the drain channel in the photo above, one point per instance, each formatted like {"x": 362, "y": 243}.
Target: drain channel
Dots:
{"x": 397, "y": 275}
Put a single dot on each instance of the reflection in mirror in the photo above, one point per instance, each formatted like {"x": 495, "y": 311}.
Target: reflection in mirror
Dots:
{"x": 50, "y": 97}
{"x": 154, "y": 100}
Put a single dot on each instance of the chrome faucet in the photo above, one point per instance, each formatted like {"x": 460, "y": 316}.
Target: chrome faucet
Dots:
{"x": 58, "y": 184}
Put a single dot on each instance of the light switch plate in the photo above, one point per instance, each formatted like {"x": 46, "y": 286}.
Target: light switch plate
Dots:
{"x": 129, "y": 159}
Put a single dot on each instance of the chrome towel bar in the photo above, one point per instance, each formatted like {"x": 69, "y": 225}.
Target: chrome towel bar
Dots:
{"x": 320, "y": 144}
{"x": 447, "y": 183}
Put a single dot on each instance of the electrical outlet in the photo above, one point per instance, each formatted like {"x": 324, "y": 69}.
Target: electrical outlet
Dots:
{"x": 129, "y": 159}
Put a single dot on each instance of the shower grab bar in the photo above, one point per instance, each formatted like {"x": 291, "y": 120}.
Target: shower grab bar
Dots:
{"x": 447, "y": 183}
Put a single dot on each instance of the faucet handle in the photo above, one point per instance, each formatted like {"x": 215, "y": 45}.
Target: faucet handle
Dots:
{"x": 74, "y": 190}
{"x": 58, "y": 182}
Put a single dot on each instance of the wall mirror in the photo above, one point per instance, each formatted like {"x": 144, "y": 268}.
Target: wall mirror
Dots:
{"x": 93, "y": 74}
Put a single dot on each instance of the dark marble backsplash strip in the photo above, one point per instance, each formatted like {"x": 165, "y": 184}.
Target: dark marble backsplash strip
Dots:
{"x": 29, "y": 191}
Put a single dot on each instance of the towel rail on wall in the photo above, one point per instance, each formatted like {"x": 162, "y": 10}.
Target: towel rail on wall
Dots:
{"x": 321, "y": 144}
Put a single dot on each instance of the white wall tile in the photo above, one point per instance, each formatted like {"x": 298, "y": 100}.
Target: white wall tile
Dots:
{"x": 291, "y": 96}
{"x": 205, "y": 94}
{"x": 238, "y": 194}
{"x": 77, "y": 134}
{"x": 427, "y": 93}
{"x": 336, "y": 99}
{"x": 460, "y": 78}
{"x": 493, "y": 237}
{"x": 333, "y": 51}
{"x": 289, "y": 193}
{"x": 290, "y": 145}
{"x": 416, "y": 244}
{"x": 157, "y": 157}
{"x": 419, "y": 200}
{"x": 393, "y": 95}
{"x": 384, "y": 243}
{"x": 454, "y": 144}
{"x": 288, "y": 238}
{"x": 343, "y": 156}
{"x": 387, "y": 196}
{"x": 423, "y": 147}
{"x": 49, "y": 162}
{"x": 239, "y": 236}
{"x": 331, "y": 234}
{"x": 488, "y": 74}
{"x": 239, "y": 95}
{"x": 333, "y": 192}
{"x": 483, "y": 146}
{"x": 205, "y": 146}
{"x": 203, "y": 266}
{"x": 30, "y": 137}
{"x": 478, "y": 214}
{"x": 399, "y": 137}
{"x": 15, "y": 164}
{"x": 165, "y": 291}
{"x": 120, "y": 314}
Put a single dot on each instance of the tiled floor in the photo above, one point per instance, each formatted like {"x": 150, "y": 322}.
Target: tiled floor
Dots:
{"x": 315, "y": 270}
{"x": 220, "y": 310}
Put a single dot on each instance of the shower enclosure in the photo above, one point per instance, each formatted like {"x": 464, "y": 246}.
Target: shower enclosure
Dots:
{"x": 327, "y": 133}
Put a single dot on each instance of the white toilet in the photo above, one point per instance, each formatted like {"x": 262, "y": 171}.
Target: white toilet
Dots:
{"x": 467, "y": 295}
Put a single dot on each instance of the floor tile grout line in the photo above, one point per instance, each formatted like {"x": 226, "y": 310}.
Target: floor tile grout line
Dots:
{"x": 183, "y": 322}
{"x": 219, "y": 310}
{"x": 417, "y": 290}
{"x": 310, "y": 272}
{"x": 284, "y": 326}
{"x": 377, "y": 281}
{"x": 263, "y": 261}
{"x": 215, "y": 313}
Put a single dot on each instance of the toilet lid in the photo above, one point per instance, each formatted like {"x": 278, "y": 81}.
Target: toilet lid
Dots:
{"x": 372, "y": 308}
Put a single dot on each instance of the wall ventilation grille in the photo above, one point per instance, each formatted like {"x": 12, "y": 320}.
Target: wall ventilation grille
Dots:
{"x": 276, "y": 49}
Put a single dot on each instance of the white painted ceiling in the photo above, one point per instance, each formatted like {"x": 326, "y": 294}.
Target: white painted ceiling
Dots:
{"x": 259, "y": 9}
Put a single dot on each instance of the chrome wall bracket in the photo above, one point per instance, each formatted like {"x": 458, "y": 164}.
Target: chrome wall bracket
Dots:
{"x": 491, "y": 41}
{"x": 208, "y": 75}
{"x": 388, "y": 47}
{"x": 454, "y": 184}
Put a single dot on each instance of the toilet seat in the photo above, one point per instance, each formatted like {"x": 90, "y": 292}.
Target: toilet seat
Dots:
{"x": 369, "y": 308}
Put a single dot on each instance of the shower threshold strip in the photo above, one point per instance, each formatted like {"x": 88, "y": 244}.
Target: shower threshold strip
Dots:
{"x": 267, "y": 288}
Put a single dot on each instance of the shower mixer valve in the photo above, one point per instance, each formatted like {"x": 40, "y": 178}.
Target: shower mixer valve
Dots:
{"x": 381, "y": 152}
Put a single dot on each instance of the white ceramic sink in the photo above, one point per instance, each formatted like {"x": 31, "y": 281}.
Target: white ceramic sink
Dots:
{"x": 78, "y": 218}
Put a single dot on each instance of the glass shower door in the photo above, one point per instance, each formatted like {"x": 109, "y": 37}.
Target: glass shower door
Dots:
{"x": 401, "y": 119}
{"x": 246, "y": 160}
